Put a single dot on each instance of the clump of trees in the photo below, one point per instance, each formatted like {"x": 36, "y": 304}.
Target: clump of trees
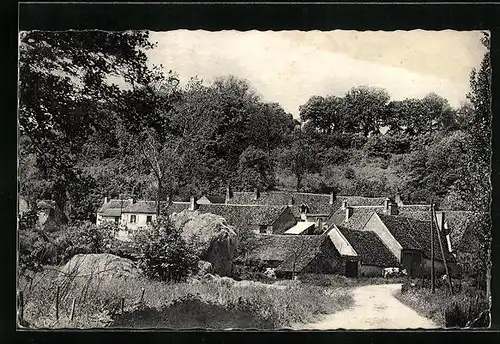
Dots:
{"x": 163, "y": 254}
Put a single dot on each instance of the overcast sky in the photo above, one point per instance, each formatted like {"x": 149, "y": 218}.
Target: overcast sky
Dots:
{"x": 288, "y": 67}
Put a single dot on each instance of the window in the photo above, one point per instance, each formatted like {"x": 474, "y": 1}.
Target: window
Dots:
{"x": 149, "y": 219}
{"x": 263, "y": 228}
{"x": 132, "y": 218}
{"x": 117, "y": 219}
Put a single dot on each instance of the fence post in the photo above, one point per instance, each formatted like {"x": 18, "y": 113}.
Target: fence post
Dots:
{"x": 57, "y": 303}
{"x": 142, "y": 294}
{"x": 122, "y": 304}
{"x": 20, "y": 299}
{"x": 72, "y": 310}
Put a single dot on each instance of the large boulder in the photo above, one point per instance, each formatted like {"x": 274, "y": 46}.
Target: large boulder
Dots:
{"x": 214, "y": 240}
{"x": 103, "y": 267}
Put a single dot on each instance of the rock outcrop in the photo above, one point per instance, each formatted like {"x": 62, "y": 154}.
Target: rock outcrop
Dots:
{"x": 214, "y": 240}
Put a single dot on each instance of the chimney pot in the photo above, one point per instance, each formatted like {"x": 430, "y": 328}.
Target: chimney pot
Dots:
{"x": 229, "y": 193}
{"x": 398, "y": 200}
{"x": 332, "y": 197}
{"x": 386, "y": 204}
{"x": 131, "y": 200}
{"x": 256, "y": 194}
{"x": 291, "y": 201}
{"x": 105, "y": 199}
{"x": 192, "y": 203}
{"x": 344, "y": 204}
{"x": 393, "y": 209}
{"x": 348, "y": 213}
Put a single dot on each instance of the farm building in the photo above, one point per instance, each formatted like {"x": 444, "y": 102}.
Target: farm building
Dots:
{"x": 373, "y": 255}
{"x": 257, "y": 218}
{"x": 291, "y": 255}
{"x": 211, "y": 199}
{"x": 409, "y": 240}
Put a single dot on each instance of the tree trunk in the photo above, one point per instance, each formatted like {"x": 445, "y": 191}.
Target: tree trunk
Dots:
{"x": 158, "y": 196}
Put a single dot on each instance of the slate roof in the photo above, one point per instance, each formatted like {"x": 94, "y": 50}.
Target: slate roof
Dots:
{"x": 362, "y": 201}
{"x": 317, "y": 203}
{"x": 216, "y": 198}
{"x": 300, "y": 227}
{"x": 369, "y": 248}
{"x": 149, "y": 207}
{"x": 414, "y": 234}
{"x": 113, "y": 207}
{"x": 357, "y": 221}
{"x": 238, "y": 215}
{"x": 288, "y": 248}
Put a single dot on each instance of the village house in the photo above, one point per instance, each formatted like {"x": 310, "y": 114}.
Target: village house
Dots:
{"x": 256, "y": 218}
{"x": 372, "y": 255}
{"x": 111, "y": 210}
{"x": 292, "y": 255}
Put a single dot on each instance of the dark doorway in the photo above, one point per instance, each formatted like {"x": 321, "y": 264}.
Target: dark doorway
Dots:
{"x": 351, "y": 269}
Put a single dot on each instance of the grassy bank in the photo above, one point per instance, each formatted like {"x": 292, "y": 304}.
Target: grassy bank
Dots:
{"x": 445, "y": 309}
{"x": 338, "y": 281}
{"x": 218, "y": 303}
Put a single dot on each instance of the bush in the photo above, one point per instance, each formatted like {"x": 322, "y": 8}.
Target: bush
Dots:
{"x": 163, "y": 254}
{"x": 38, "y": 247}
{"x": 458, "y": 310}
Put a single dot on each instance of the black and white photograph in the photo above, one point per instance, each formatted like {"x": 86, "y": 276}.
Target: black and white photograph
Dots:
{"x": 265, "y": 180}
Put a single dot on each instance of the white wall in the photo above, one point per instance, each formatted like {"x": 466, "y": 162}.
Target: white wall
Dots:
{"x": 140, "y": 220}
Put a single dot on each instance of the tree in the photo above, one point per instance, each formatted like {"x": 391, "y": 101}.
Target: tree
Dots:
{"x": 365, "y": 109}
{"x": 63, "y": 76}
{"x": 324, "y": 114}
{"x": 255, "y": 170}
{"x": 163, "y": 253}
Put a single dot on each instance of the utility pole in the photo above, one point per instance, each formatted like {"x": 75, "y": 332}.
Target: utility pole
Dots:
{"x": 432, "y": 250}
{"x": 448, "y": 277}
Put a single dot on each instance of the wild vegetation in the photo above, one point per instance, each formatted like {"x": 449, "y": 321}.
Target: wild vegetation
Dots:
{"x": 84, "y": 137}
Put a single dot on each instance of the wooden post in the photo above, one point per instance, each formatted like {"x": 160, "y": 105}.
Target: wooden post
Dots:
{"x": 142, "y": 294}
{"x": 57, "y": 303}
{"x": 72, "y": 310}
{"x": 20, "y": 298}
{"x": 444, "y": 256}
{"x": 432, "y": 250}
{"x": 122, "y": 304}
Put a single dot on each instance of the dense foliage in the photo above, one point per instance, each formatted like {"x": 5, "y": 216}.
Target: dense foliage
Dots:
{"x": 163, "y": 254}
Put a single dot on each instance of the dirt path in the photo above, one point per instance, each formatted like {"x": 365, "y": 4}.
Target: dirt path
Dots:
{"x": 375, "y": 307}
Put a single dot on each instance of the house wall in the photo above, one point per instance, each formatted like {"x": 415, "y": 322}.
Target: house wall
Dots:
{"x": 411, "y": 260}
{"x": 438, "y": 267}
{"x": 101, "y": 219}
{"x": 375, "y": 224}
{"x": 370, "y": 271}
{"x": 284, "y": 222}
{"x": 327, "y": 261}
{"x": 140, "y": 220}
{"x": 203, "y": 200}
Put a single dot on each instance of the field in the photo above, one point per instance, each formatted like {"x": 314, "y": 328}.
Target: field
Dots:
{"x": 217, "y": 303}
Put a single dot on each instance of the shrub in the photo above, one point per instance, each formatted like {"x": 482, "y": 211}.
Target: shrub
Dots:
{"x": 163, "y": 253}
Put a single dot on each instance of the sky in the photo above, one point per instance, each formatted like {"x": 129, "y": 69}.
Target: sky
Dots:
{"x": 289, "y": 67}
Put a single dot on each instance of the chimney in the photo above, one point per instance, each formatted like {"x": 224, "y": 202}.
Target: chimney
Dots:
{"x": 332, "y": 197}
{"x": 440, "y": 220}
{"x": 397, "y": 199}
{"x": 386, "y": 204}
{"x": 229, "y": 193}
{"x": 256, "y": 194}
{"x": 393, "y": 209}
{"x": 291, "y": 201}
{"x": 344, "y": 204}
{"x": 192, "y": 203}
{"x": 319, "y": 223}
{"x": 105, "y": 200}
{"x": 131, "y": 200}
{"x": 348, "y": 213}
